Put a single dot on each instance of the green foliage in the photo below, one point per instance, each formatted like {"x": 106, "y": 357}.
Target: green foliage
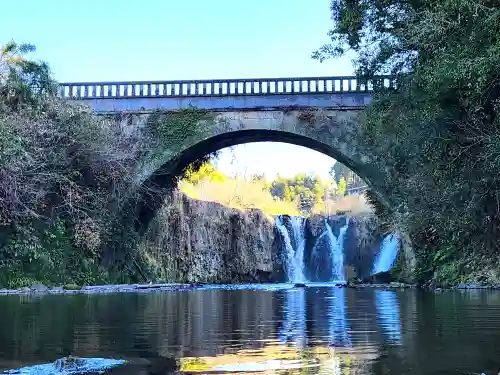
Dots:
{"x": 437, "y": 134}
{"x": 23, "y": 82}
{"x": 67, "y": 177}
{"x": 306, "y": 189}
{"x": 63, "y": 174}
{"x": 170, "y": 132}
{"x": 175, "y": 129}
{"x": 45, "y": 255}
{"x": 339, "y": 171}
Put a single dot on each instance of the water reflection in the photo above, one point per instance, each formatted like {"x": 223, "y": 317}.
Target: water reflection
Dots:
{"x": 387, "y": 303}
{"x": 293, "y": 328}
{"x": 337, "y": 318}
{"x": 314, "y": 330}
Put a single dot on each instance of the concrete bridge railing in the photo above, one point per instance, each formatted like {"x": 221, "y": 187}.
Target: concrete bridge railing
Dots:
{"x": 221, "y": 87}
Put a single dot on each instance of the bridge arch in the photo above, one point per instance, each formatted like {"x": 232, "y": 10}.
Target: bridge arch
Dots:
{"x": 340, "y": 147}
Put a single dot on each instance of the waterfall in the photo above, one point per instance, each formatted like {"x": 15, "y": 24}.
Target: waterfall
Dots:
{"x": 294, "y": 255}
{"x": 298, "y": 229}
{"x": 337, "y": 251}
{"x": 387, "y": 255}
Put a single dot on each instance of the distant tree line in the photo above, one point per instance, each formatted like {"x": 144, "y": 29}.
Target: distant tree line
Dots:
{"x": 306, "y": 190}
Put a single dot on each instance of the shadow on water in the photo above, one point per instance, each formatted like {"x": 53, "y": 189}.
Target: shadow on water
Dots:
{"x": 257, "y": 330}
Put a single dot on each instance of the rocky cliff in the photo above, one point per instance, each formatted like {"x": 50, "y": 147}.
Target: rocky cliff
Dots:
{"x": 199, "y": 241}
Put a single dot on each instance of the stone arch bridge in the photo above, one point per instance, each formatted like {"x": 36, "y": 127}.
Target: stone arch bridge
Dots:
{"x": 320, "y": 113}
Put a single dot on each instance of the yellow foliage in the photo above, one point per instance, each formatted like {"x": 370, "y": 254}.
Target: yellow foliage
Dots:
{"x": 238, "y": 193}
{"x": 205, "y": 172}
{"x": 342, "y": 186}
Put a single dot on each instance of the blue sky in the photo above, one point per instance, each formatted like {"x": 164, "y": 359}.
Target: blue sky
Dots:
{"x": 190, "y": 39}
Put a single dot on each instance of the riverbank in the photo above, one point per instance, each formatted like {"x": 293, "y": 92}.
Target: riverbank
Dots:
{"x": 96, "y": 289}
{"x": 175, "y": 287}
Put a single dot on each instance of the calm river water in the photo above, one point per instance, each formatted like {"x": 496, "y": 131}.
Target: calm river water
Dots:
{"x": 265, "y": 329}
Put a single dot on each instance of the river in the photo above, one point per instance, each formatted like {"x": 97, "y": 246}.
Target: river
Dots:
{"x": 260, "y": 329}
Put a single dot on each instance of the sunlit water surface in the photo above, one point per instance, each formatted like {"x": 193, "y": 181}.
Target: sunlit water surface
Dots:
{"x": 253, "y": 329}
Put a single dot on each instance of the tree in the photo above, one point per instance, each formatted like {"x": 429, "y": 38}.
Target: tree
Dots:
{"x": 437, "y": 130}
{"x": 308, "y": 189}
{"x": 341, "y": 187}
{"x": 339, "y": 171}
{"x": 23, "y": 80}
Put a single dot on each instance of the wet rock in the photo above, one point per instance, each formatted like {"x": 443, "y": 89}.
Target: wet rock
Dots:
{"x": 299, "y": 285}
{"x": 336, "y": 222}
{"x": 151, "y": 286}
{"x": 196, "y": 285}
{"x": 395, "y": 284}
{"x": 361, "y": 243}
{"x": 39, "y": 288}
{"x": 162, "y": 365}
{"x": 350, "y": 272}
{"x": 353, "y": 282}
{"x": 261, "y": 276}
{"x": 72, "y": 287}
{"x": 380, "y": 278}
{"x": 471, "y": 286}
{"x": 56, "y": 290}
{"x": 315, "y": 225}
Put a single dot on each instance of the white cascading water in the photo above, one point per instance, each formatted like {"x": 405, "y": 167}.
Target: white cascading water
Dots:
{"x": 387, "y": 254}
{"x": 298, "y": 229}
{"x": 337, "y": 250}
{"x": 294, "y": 255}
